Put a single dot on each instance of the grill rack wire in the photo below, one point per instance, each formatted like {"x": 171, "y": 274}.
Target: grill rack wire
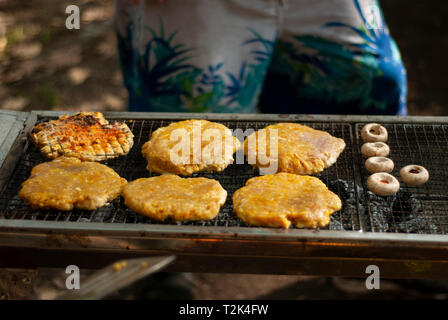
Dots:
{"x": 414, "y": 210}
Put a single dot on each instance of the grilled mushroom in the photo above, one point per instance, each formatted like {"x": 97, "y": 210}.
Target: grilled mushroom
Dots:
{"x": 414, "y": 175}
{"x": 383, "y": 184}
{"x": 375, "y": 149}
{"x": 374, "y": 132}
{"x": 379, "y": 164}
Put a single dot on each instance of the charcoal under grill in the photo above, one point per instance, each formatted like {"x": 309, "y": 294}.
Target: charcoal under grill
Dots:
{"x": 368, "y": 227}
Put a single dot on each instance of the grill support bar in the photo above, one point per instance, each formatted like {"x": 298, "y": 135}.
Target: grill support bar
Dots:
{"x": 302, "y": 252}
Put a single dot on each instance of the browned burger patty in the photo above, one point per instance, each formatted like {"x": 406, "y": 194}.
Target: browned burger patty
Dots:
{"x": 300, "y": 149}
{"x": 212, "y": 152}
{"x": 85, "y": 135}
{"x": 67, "y": 183}
{"x": 283, "y": 199}
{"x": 171, "y": 197}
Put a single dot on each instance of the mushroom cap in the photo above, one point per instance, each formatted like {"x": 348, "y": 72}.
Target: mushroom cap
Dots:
{"x": 374, "y": 132}
{"x": 383, "y": 184}
{"x": 375, "y": 149}
{"x": 379, "y": 164}
{"x": 414, "y": 175}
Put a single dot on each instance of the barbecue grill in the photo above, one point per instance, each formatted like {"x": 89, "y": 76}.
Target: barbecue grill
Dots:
{"x": 405, "y": 235}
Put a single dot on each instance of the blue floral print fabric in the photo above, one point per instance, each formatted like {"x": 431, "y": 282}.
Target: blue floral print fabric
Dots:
{"x": 297, "y": 56}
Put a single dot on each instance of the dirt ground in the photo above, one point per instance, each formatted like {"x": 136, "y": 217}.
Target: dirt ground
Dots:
{"x": 45, "y": 66}
{"x": 46, "y": 283}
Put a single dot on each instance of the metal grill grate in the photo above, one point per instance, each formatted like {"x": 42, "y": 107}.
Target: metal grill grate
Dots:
{"x": 421, "y": 209}
{"x": 340, "y": 178}
{"x": 413, "y": 210}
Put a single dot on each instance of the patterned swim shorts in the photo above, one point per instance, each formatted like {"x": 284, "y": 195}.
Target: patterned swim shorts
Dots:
{"x": 280, "y": 56}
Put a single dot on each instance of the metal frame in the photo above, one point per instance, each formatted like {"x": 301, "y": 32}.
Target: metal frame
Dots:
{"x": 254, "y": 117}
{"x": 9, "y": 132}
{"x": 224, "y": 249}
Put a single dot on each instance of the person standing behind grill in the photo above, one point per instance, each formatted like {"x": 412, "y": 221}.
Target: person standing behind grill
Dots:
{"x": 313, "y": 56}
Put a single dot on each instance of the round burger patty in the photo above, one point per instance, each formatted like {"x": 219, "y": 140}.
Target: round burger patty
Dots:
{"x": 283, "y": 199}
{"x": 208, "y": 146}
{"x": 294, "y": 148}
{"x": 67, "y": 183}
{"x": 85, "y": 135}
{"x": 171, "y": 197}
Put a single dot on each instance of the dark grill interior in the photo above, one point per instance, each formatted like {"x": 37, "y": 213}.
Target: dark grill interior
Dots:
{"x": 412, "y": 210}
{"x": 421, "y": 209}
